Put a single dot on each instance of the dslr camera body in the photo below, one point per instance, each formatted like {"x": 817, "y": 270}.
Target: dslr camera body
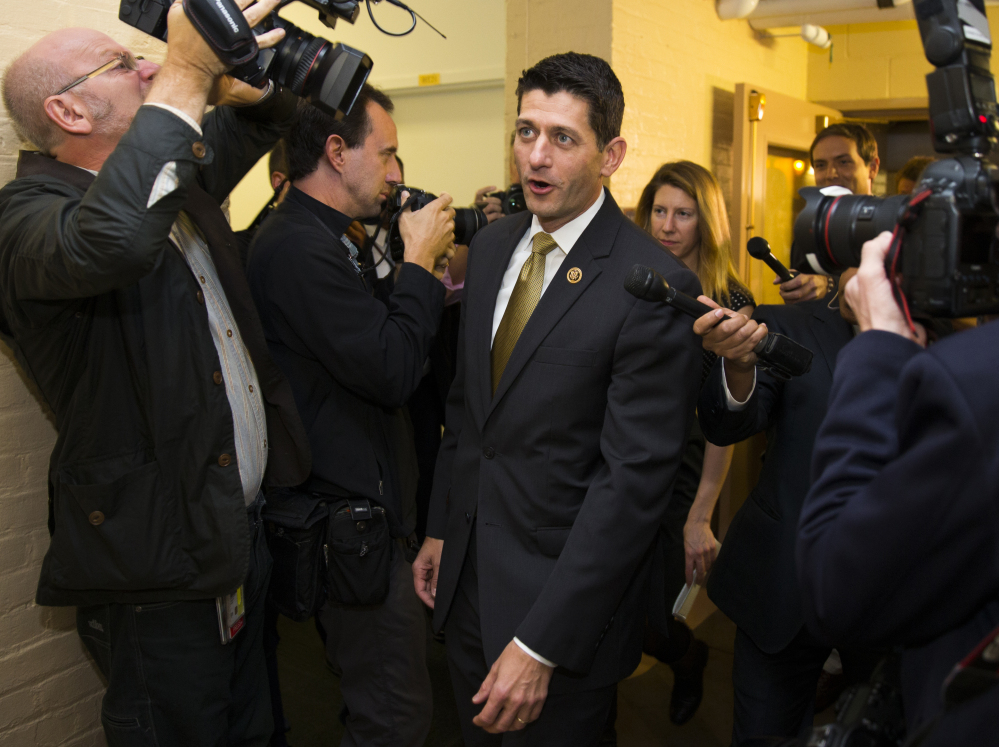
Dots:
{"x": 944, "y": 251}
{"x": 327, "y": 75}
{"x": 512, "y": 200}
{"x": 467, "y": 221}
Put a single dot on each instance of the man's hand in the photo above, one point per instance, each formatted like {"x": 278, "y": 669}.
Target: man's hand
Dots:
{"x": 700, "y": 548}
{"x": 803, "y": 288}
{"x": 514, "y": 691}
{"x": 491, "y": 206}
{"x": 729, "y": 334}
{"x": 425, "y": 568}
{"x": 869, "y": 293}
{"x": 191, "y": 69}
{"x": 428, "y": 235}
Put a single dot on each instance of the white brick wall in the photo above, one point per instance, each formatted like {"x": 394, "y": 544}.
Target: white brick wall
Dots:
{"x": 50, "y": 692}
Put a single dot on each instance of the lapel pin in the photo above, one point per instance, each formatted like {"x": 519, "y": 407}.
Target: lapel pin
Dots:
{"x": 574, "y": 275}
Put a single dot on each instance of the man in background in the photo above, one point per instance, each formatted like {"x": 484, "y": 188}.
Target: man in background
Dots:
{"x": 843, "y": 155}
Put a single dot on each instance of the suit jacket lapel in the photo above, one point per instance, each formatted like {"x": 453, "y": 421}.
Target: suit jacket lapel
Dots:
{"x": 480, "y": 326}
{"x": 835, "y": 332}
{"x": 593, "y": 245}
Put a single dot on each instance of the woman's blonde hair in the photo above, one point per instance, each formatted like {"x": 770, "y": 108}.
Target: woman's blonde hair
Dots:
{"x": 715, "y": 269}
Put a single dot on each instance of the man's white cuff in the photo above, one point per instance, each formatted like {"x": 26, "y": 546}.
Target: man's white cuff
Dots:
{"x": 731, "y": 402}
{"x": 536, "y": 657}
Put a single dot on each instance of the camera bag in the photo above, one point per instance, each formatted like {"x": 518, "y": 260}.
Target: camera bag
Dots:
{"x": 358, "y": 553}
{"x": 295, "y": 525}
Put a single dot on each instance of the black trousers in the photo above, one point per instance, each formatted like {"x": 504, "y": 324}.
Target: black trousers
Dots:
{"x": 380, "y": 654}
{"x": 775, "y": 693}
{"x": 569, "y": 719}
{"x": 171, "y": 681}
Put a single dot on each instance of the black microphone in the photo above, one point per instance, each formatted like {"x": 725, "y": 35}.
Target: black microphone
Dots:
{"x": 776, "y": 353}
{"x": 759, "y": 248}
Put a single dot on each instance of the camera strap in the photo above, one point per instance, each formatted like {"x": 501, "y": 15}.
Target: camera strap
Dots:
{"x": 347, "y": 243}
{"x": 975, "y": 673}
{"x": 222, "y": 25}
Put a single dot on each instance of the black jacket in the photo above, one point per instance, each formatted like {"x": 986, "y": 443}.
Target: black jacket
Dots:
{"x": 352, "y": 361}
{"x": 566, "y": 471}
{"x": 899, "y": 535}
{"x": 754, "y": 580}
{"x": 107, "y": 318}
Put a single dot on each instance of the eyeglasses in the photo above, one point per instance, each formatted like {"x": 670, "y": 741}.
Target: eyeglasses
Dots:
{"x": 123, "y": 59}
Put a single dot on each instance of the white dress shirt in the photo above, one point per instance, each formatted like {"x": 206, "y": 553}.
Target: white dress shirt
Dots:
{"x": 566, "y": 237}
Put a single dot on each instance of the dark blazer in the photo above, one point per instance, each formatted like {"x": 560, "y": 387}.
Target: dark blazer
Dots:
{"x": 754, "y": 580}
{"x": 899, "y": 535}
{"x": 145, "y": 498}
{"x": 352, "y": 361}
{"x": 566, "y": 470}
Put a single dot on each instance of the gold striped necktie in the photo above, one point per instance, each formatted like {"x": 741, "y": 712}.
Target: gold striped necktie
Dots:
{"x": 525, "y": 296}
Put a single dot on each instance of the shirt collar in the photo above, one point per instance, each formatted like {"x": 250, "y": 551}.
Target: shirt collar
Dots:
{"x": 332, "y": 218}
{"x": 567, "y": 236}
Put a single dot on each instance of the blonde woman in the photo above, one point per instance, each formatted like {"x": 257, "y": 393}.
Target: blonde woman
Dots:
{"x": 682, "y": 207}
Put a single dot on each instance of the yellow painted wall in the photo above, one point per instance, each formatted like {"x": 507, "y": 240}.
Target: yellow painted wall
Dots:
{"x": 450, "y": 136}
{"x": 669, "y": 54}
{"x": 881, "y": 63}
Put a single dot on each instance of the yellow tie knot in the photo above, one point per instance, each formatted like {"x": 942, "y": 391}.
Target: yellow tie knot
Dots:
{"x": 543, "y": 243}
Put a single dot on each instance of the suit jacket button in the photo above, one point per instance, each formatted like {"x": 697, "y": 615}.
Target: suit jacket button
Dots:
{"x": 217, "y": 377}
{"x": 96, "y": 518}
{"x": 198, "y": 149}
{"x": 489, "y": 452}
{"x": 468, "y": 518}
{"x": 225, "y": 460}
{"x": 200, "y": 296}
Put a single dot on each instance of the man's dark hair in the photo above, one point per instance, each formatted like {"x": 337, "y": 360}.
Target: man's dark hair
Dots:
{"x": 584, "y": 76}
{"x": 278, "y": 158}
{"x": 306, "y": 140}
{"x": 867, "y": 146}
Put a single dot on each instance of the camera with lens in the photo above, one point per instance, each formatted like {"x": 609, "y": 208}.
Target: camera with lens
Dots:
{"x": 326, "y": 74}
{"x": 867, "y": 715}
{"x": 466, "y": 220}
{"x": 944, "y": 251}
{"x": 512, "y": 201}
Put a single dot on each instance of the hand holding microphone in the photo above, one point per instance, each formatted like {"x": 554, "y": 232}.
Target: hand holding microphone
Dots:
{"x": 726, "y": 333}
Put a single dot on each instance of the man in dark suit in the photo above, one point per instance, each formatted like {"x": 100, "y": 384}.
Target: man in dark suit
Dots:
{"x": 899, "y": 537}
{"x": 565, "y": 426}
{"x": 777, "y": 660}
{"x": 124, "y": 297}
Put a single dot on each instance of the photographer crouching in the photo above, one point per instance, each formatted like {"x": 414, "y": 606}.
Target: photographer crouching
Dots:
{"x": 123, "y": 297}
{"x": 353, "y": 362}
{"x": 899, "y": 536}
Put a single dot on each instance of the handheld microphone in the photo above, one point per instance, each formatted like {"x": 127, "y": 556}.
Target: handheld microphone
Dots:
{"x": 759, "y": 248}
{"x": 776, "y": 353}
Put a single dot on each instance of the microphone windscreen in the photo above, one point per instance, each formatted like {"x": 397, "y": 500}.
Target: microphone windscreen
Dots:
{"x": 758, "y": 247}
{"x": 639, "y": 281}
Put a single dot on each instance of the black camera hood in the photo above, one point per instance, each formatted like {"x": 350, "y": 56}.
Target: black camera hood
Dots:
{"x": 222, "y": 25}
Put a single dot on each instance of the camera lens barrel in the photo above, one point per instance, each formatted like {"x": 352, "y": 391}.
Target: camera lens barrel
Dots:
{"x": 831, "y": 229}
{"x": 466, "y": 222}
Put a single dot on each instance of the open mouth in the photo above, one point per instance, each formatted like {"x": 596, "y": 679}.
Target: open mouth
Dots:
{"x": 539, "y": 186}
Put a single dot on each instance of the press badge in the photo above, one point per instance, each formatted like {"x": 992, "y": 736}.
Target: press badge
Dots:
{"x": 232, "y": 614}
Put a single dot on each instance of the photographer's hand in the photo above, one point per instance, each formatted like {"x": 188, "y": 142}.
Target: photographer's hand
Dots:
{"x": 803, "y": 288}
{"x": 491, "y": 206}
{"x": 191, "y": 69}
{"x": 869, "y": 293}
{"x": 428, "y": 235}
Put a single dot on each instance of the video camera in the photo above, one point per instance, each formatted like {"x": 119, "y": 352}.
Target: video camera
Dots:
{"x": 944, "y": 245}
{"x": 327, "y": 75}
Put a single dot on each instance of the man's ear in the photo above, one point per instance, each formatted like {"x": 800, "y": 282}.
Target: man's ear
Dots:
{"x": 69, "y": 114}
{"x": 614, "y": 153}
{"x": 277, "y": 179}
{"x": 336, "y": 152}
{"x": 874, "y": 166}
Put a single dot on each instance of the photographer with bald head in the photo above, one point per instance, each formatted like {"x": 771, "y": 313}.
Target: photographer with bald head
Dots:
{"x": 122, "y": 294}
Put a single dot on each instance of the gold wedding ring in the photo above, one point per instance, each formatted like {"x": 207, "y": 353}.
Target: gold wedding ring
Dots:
{"x": 521, "y": 720}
